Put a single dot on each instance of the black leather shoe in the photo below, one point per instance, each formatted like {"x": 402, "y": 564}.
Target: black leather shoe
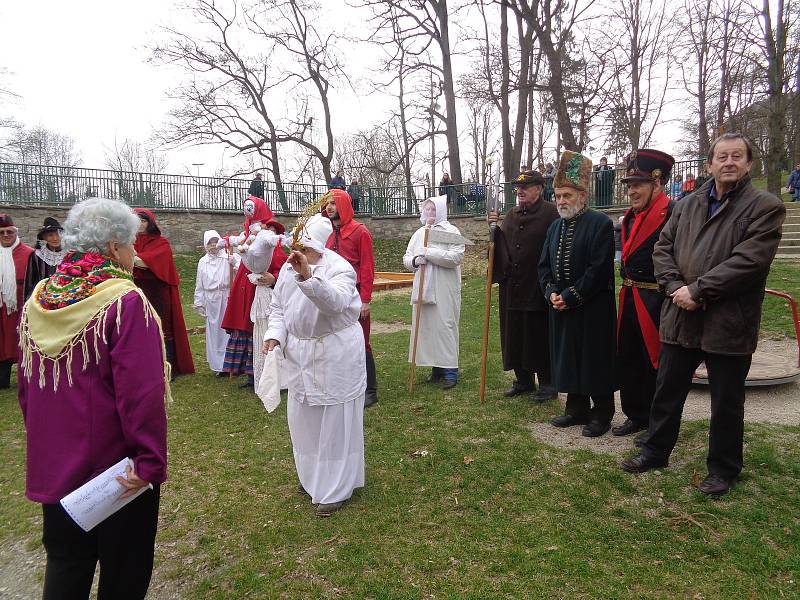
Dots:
{"x": 628, "y": 427}
{"x": 641, "y": 464}
{"x": 516, "y": 390}
{"x": 370, "y": 398}
{"x": 545, "y": 393}
{"x": 714, "y": 485}
{"x": 433, "y": 378}
{"x": 638, "y": 441}
{"x": 449, "y": 384}
{"x": 568, "y": 421}
{"x": 595, "y": 428}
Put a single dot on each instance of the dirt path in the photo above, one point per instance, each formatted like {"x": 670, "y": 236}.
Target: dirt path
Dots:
{"x": 776, "y": 404}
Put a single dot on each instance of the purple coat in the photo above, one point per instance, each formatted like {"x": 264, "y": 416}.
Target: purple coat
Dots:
{"x": 115, "y": 408}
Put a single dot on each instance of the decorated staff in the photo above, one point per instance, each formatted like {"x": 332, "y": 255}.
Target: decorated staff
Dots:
{"x": 435, "y": 252}
{"x": 492, "y": 207}
{"x": 417, "y": 262}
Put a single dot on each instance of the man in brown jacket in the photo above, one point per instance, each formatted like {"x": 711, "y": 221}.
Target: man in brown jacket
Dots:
{"x": 712, "y": 260}
{"x": 523, "y": 310}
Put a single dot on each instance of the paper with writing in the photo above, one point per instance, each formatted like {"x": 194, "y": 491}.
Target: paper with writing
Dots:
{"x": 99, "y": 498}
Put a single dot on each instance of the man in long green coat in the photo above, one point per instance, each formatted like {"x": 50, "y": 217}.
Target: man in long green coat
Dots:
{"x": 576, "y": 274}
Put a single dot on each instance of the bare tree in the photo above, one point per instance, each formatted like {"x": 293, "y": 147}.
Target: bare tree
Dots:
{"x": 42, "y": 146}
{"x": 556, "y": 25}
{"x": 132, "y": 156}
{"x": 697, "y": 65}
{"x": 427, "y": 22}
{"x": 775, "y": 27}
{"x": 238, "y": 97}
{"x": 642, "y": 35}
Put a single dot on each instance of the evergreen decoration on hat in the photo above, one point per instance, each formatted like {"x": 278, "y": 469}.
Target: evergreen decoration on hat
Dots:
{"x": 574, "y": 170}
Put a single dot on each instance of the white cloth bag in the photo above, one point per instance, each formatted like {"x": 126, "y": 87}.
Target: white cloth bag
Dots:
{"x": 269, "y": 386}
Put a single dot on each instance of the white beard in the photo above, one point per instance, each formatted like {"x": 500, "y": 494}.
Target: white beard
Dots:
{"x": 567, "y": 212}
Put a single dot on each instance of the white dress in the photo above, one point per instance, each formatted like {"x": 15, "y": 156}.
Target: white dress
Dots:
{"x": 441, "y": 304}
{"x": 211, "y": 292}
{"x": 316, "y": 323}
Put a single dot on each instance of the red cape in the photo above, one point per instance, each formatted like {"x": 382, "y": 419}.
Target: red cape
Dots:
{"x": 156, "y": 252}
{"x": 647, "y": 222}
{"x": 9, "y": 338}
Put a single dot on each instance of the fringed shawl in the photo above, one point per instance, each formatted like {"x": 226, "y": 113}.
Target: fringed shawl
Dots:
{"x": 55, "y": 334}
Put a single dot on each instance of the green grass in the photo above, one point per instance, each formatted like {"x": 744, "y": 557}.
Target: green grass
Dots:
{"x": 521, "y": 519}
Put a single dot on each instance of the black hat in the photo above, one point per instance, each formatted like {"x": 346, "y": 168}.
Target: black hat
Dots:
{"x": 50, "y": 224}
{"x": 529, "y": 178}
{"x": 647, "y": 165}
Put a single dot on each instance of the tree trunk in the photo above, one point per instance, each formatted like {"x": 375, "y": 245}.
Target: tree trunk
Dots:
{"x": 449, "y": 93}
{"x": 776, "y": 54}
{"x": 505, "y": 83}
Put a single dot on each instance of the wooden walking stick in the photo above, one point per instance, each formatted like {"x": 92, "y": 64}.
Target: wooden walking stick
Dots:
{"x": 412, "y": 372}
{"x": 492, "y": 204}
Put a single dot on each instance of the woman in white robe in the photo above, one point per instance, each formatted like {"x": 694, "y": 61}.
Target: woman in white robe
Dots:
{"x": 314, "y": 319}
{"x": 440, "y": 307}
{"x": 212, "y": 286}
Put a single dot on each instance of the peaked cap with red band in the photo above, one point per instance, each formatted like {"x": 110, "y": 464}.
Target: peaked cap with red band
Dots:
{"x": 647, "y": 165}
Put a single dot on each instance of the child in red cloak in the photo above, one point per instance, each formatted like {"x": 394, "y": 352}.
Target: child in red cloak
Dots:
{"x": 352, "y": 241}
{"x": 239, "y": 352}
{"x": 155, "y": 273}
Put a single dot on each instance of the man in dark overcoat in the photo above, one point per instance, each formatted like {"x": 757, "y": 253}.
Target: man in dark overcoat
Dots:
{"x": 712, "y": 260}
{"x": 640, "y": 298}
{"x": 523, "y": 310}
{"x": 576, "y": 273}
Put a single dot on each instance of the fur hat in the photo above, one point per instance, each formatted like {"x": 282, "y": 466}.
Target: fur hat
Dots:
{"x": 647, "y": 165}
{"x": 50, "y": 224}
{"x": 574, "y": 170}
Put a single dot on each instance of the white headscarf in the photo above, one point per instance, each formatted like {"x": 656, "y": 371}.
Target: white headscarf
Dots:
{"x": 440, "y": 202}
{"x": 209, "y": 235}
{"x": 8, "y": 277}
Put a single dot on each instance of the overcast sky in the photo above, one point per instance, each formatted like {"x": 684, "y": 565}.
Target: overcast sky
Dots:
{"x": 79, "y": 68}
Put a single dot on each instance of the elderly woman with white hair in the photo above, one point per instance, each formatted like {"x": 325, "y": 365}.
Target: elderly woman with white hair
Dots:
{"x": 92, "y": 388}
{"x": 314, "y": 320}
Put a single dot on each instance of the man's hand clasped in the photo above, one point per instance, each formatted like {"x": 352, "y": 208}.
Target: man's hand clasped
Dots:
{"x": 683, "y": 299}
{"x": 558, "y": 302}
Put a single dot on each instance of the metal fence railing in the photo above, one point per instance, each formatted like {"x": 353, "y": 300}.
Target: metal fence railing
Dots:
{"x": 38, "y": 185}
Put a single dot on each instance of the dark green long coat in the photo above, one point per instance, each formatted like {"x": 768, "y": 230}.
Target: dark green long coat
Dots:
{"x": 578, "y": 262}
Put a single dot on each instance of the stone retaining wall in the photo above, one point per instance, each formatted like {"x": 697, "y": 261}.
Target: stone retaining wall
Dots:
{"x": 185, "y": 229}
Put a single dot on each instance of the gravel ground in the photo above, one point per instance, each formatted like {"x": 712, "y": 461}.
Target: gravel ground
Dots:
{"x": 775, "y": 404}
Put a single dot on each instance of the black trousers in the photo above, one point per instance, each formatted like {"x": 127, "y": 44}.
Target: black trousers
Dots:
{"x": 635, "y": 374}
{"x": 601, "y": 407}
{"x": 5, "y": 373}
{"x": 123, "y": 544}
{"x": 726, "y": 376}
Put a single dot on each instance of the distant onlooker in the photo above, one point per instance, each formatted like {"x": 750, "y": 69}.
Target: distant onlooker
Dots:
{"x": 677, "y": 184}
{"x": 337, "y": 183}
{"x": 257, "y": 187}
{"x": 689, "y": 185}
{"x": 549, "y": 172}
{"x": 701, "y": 178}
{"x": 794, "y": 183}
{"x": 355, "y": 191}
{"x": 446, "y": 188}
{"x": 603, "y": 183}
